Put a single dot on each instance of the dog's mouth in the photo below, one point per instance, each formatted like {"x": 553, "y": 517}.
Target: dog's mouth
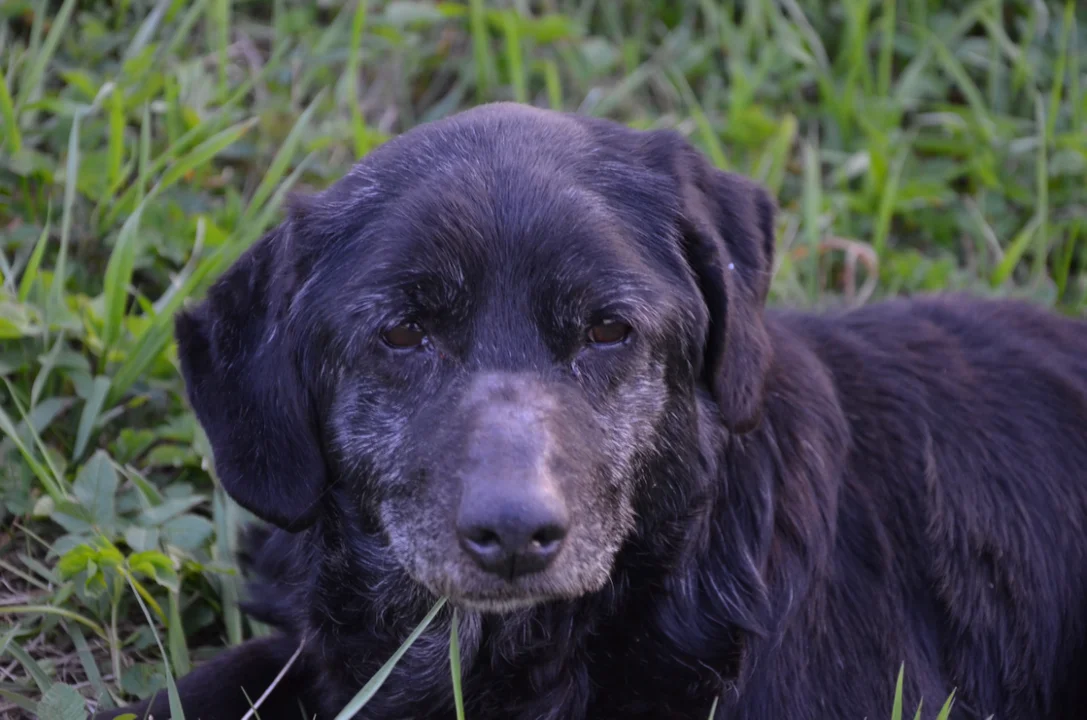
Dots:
{"x": 498, "y": 605}
{"x": 479, "y": 594}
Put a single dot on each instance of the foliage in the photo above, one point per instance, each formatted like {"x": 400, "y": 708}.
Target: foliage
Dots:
{"x": 913, "y": 145}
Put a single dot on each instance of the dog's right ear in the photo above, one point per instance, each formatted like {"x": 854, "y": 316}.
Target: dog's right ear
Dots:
{"x": 239, "y": 361}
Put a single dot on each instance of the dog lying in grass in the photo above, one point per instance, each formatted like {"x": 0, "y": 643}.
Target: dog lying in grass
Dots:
{"x": 521, "y": 360}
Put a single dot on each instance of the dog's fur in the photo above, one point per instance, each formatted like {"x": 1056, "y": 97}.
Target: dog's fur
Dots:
{"x": 772, "y": 509}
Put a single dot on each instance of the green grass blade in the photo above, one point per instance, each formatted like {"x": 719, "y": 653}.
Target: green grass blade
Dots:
{"x": 515, "y": 60}
{"x": 147, "y": 28}
{"x": 70, "y": 178}
{"x": 220, "y": 24}
{"x": 143, "y": 167}
{"x": 705, "y": 130}
{"x": 30, "y": 273}
{"x": 43, "y": 56}
{"x": 370, "y": 688}
{"x": 1078, "y": 103}
{"x": 45, "y": 370}
{"x": 184, "y": 143}
{"x": 58, "y": 611}
{"x": 7, "y": 638}
{"x": 202, "y": 154}
{"x": 215, "y": 264}
{"x": 40, "y": 677}
{"x": 622, "y": 90}
{"x": 176, "y": 712}
{"x": 1023, "y": 73}
{"x": 481, "y": 49}
{"x": 957, "y": 72}
{"x": 92, "y": 408}
{"x": 887, "y": 201}
{"x": 184, "y": 27}
{"x": 119, "y": 269}
{"x": 150, "y": 345}
{"x": 1063, "y": 265}
{"x": 40, "y": 470}
{"x": 886, "y": 48}
{"x": 25, "y": 576}
{"x": 329, "y": 41}
{"x": 20, "y": 701}
{"x": 358, "y": 124}
{"x": 1015, "y": 251}
{"x": 945, "y": 711}
{"x": 896, "y": 708}
{"x": 1059, "y": 71}
{"x": 812, "y": 205}
{"x": 175, "y": 635}
{"x": 155, "y": 339}
{"x": 148, "y": 492}
{"x": 454, "y": 665}
{"x": 772, "y": 166}
{"x": 166, "y": 300}
{"x": 90, "y": 666}
{"x": 274, "y": 173}
{"x": 12, "y": 136}
{"x": 116, "y": 147}
{"x": 225, "y": 518}
{"x": 911, "y": 75}
{"x": 553, "y": 83}
{"x": 1041, "y": 189}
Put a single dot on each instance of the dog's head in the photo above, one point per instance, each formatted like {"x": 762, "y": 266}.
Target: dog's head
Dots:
{"x": 480, "y": 333}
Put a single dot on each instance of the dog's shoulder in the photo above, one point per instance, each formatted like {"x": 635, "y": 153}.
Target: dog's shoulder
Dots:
{"x": 965, "y": 422}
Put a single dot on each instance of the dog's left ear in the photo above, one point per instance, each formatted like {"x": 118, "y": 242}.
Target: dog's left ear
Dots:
{"x": 240, "y": 359}
{"x": 727, "y": 224}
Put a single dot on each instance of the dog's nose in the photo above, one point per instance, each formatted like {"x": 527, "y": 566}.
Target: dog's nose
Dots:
{"x": 512, "y": 518}
{"x": 511, "y": 539}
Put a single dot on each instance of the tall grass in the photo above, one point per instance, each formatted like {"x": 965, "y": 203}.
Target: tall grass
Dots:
{"x": 144, "y": 144}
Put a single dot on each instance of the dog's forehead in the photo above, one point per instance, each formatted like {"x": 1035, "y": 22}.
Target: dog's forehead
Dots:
{"x": 511, "y": 178}
{"x": 478, "y": 138}
{"x": 513, "y": 229}
{"x": 503, "y": 201}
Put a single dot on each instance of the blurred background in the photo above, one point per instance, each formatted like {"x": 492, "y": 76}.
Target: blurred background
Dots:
{"x": 913, "y": 145}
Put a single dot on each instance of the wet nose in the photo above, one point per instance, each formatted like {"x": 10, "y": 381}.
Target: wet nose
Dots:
{"x": 512, "y": 518}
{"x": 512, "y": 535}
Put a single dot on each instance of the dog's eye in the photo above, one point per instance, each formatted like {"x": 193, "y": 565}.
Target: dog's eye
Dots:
{"x": 405, "y": 335}
{"x": 610, "y": 332}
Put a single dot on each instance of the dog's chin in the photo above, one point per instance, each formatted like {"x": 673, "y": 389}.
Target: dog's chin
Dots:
{"x": 501, "y": 598}
{"x": 498, "y": 605}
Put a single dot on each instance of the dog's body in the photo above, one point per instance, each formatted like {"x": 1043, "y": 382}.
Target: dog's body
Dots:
{"x": 772, "y": 510}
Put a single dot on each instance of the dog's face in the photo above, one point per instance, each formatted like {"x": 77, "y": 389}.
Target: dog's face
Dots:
{"x": 480, "y": 335}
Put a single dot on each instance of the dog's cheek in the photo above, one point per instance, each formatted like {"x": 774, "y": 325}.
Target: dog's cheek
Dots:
{"x": 368, "y": 437}
{"x": 420, "y": 530}
{"x": 417, "y": 509}
{"x": 411, "y": 542}
{"x": 630, "y": 417}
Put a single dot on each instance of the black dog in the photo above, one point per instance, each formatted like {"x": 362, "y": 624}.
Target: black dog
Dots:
{"x": 520, "y": 359}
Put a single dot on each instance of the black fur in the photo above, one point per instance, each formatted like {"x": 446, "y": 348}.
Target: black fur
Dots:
{"x": 798, "y": 503}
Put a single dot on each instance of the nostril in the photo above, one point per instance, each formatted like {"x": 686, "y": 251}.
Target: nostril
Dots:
{"x": 547, "y": 538}
{"x": 482, "y": 537}
{"x": 511, "y": 540}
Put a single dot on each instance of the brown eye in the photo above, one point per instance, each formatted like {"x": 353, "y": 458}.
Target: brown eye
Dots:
{"x": 408, "y": 335}
{"x": 609, "y": 333}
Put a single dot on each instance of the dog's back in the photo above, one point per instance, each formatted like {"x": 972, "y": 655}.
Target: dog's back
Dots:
{"x": 964, "y": 496}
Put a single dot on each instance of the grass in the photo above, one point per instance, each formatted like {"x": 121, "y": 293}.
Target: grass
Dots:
{"x": 913, "y": 145}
